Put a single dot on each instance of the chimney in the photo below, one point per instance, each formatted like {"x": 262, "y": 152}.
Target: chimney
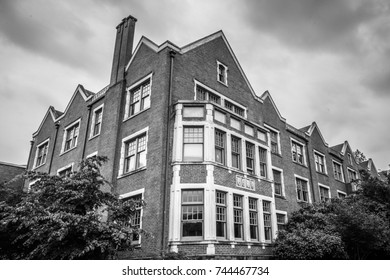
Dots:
{"x": 123, "y": 48}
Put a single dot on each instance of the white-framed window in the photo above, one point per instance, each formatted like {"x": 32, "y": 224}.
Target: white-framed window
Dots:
{"x": 238, "y": 216}
{"x": 338, "y": 171}
{"x": 234, "y": 108}
{"x": 65, "y": 171}
{"x": 349, "y": 158}
{"x": 281, "y": 220}
{"x": 278, "y": 181}
{"x": 302, "y": 187}
{"x": 221, "y": 217}
{"x": 193, "y": 143}
{"x": 206, "y": 95}
{"x": 236, "y": 152}
{"x": 138, "y": 97}
{"x": 41, "y": 153}
{"x": 71, "y": 135}
{"x": 250, "y": 157}
{"x": 253, "y": 219}
{"x": 263, "y": 162}
{"x": 222, "y": 73}
{"x": 274, "y": 140}
{"x": 267, "y": 220}
{"x": 319, "y": 160}
{"x": 92, "y": 154}
{"x": 324, "y": 193}
{"x": 262, "y": 136}
{"x": 192, "y": 203}
{"x": 341, "y": 194}
{"x": 133, "y": 152}
{"x": 96, "y": 125}
{"x": 136, "y": 220}
{"x": 220, "y": 146}
{"x": 297, "y": 151}
{"x": 352, "y": 174}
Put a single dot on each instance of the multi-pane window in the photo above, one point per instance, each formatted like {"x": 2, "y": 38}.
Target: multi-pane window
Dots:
{"x": 234, "y": 108}
{"x": 281, "y": 221}
{"x": 71, "y": 136}
{"x": 250, "y": 156}
{"x": 277, "y": 182}
{"x": 320, "y": 162}
{"x": 238, "y": 216}
{"x": 350, "y": 159}
{"x": 253, "y": 220}
{"x": 97, "y": 121}
{"x": 193, "y": 144}
{"x": 274, "y": 142}
{"x": 220, "y": 145}
{"x": 263, "y": 162}
{"x": 324, "y": 194}
{"x": 236, "y": 152}
{"x": 222, "y": 73}
{"x": 192, "y": 213}
{"x": 220, "y": 201}
{"x": 204, "y": 94}
{"x": 297, "y": 152}
{"x": 302, "y": 190}
{"x": 351, "y": 175}
{"x": 139, "y": 98}
{"x": 267, "y": 220}
{"x": 135, "y": 153}
{"x": 135, "y": 220}
{"x": 42, "y": 150}
{"x": 337, "y": 171}
{"x": 65, "y": 172}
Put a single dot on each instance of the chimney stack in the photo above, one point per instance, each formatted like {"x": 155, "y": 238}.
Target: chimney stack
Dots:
{"x": 123, "y": 48}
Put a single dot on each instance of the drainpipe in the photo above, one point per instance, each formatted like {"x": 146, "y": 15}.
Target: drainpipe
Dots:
{"x": 168, "y": 135}
{"x": 57, "y": 125}
{"x": 86, "y": 131}
{"x": 310, "y": 170}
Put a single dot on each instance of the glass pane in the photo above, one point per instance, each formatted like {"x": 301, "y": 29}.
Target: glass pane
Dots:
{"x": 193, "y": 152}
{"x": 192, "y": 229}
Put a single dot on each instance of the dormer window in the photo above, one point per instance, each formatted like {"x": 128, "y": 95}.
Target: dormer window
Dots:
{"x": 222, "y": 73}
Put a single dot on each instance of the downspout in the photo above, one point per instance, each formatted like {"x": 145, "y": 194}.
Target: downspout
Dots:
{"x": 86, "y": 131}
{"x": 168, "y": 135}
{"x": 57, "y": 125}
{"x": 310, "y": 170}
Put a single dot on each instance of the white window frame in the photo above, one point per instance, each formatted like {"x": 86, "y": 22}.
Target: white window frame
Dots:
{"x": 128, "y": 96}
{"x": 93, "y": 123}
{"x": 47, "y": 141}
{"x": 340, "y": 192}
{"x": 71, "y": 165}
{"x": 131, "y": 194}
{"x": 296, "y": 142}
{"x": 277, "y": 136}
{"x": 92, "y": 154}
{"x": 308, "y": 188}
{"x": 76, "y": 122}
{"x": 225, "y": 71}
{"x": 285, "y": 218}
{"x": 324, "y": 161}
{"x": 350, "y": 160}
{"x": 325, "y": 187}
{"x": 341, "y": 170}
{"x": 282, "y": 181}
{"x": 123, "y": 151}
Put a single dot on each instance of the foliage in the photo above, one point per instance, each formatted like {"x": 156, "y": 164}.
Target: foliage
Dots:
{"x": 357, "y": 227}
{"x": 359, "y": 156}
{"x": 62, "y": 218}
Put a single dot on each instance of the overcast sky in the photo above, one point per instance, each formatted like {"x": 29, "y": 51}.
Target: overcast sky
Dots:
{"x": 324, "y": 61}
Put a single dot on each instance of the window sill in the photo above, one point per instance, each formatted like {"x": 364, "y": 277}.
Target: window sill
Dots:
{"x": 131, "y": 172}
{"x": 222, "y": 83}
{"x": 322, "y": 173}
{"x": 300, "y": 164}
{"x": 36, "y": 167}
{"x": 67, "y": 151}
{"x": 280, "y": 196}
{"x": 276, "y": 154}
{"x": 94, "y": 136}
{"x": 133, "y": 116}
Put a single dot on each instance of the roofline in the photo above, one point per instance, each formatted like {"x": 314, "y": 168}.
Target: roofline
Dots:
{"x": 266, "y": 95}
{"x": 311, "y": 129}
{"x": 13, "y": 164}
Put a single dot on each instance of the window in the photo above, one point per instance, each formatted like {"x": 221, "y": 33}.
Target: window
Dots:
{"x": 250, "y": 155}
{"x": 135, "y": 153}
{"x": 337, "y": 171}
{"x": 138, "y": 98}
{"x": 220, "y": 214}
{"x": 234, "y": 108}
{"x": 352, "y": 175}
{"x": 193, "y": 144}
{"x": 253, "y": 221}
{"x": 65, "y": 171}
{"x": 324, "y": 194}
{"x": 135, "y": 220}
{"x": 297, "y": 152}
{"x": 237, "y": 216}
{"x": 192, "y": 213}
{"x": 267, "y": 220}
{"x": 320, "y": 162}
{"x": 302, "y": 190}
{"x": 204, "y": 94}
{"x": 263, "y": 162}
{"x": 236, "y": 152}
{"x": 41, "y": 153}
{"x": 96, "y": 121}
{"x": 71, "y": 136}
{"x": 234, "y": 123}
{"x": 274, "y": 137}
{"x": 277, "y": 182}
{"x": 281, "y": 221}
{"x": 262, "y": 136}
{"x": 350, "y": 159}
{"x": 220, "y": 146}
{"x": 219, "y": 116}
{"x": 341, "y": 194}
{"x": 222, "y": 73}
{"x": 249, "y": 130}
{"x": 193, "y": 112}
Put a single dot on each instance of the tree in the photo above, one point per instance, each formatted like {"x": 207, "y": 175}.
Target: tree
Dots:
{"x": 61, "y": 218}
{"x": 357, "y": 227}
{"x": 359, "y": 156}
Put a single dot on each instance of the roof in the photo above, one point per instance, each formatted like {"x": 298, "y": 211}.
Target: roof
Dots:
{"x": 13, "y": 165}
{"x": 308, "y": 130}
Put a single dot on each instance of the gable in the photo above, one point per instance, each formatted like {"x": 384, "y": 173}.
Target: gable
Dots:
{"x": 314, "y": 131}
{"x": 270, "y": 107}
{"x": 48, "y": 119}
{"x": 80, "y": 92}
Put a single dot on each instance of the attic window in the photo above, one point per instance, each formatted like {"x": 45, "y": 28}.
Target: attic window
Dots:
{"x": 222, "y": 73}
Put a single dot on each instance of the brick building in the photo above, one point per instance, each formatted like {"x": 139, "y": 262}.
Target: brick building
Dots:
{"x": 9, "y": 178}
{"x": 217, "y": 164}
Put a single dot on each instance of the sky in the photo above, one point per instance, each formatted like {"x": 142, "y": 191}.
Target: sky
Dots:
{"x": 323, "y": 61}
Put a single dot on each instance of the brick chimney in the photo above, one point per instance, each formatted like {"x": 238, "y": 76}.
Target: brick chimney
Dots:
{"x": 123, "y": 48}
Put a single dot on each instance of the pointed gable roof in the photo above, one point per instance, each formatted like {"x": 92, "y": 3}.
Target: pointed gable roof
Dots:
{"x": 50, "y": 112}
{"x": 308, "y": 130}
{"x": 266, "y": 95}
